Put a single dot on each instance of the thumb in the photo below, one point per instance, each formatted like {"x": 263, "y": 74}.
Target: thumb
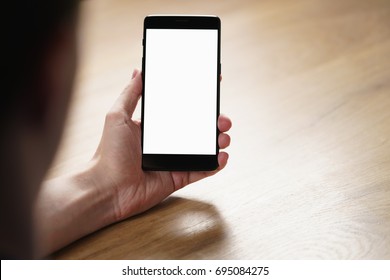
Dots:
{"x": 129, "y": 97}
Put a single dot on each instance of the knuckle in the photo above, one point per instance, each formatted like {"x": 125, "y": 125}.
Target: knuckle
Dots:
{"x": 116, "y": 115}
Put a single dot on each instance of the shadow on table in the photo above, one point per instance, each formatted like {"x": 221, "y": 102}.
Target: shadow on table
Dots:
{"x": 177, "y": 228}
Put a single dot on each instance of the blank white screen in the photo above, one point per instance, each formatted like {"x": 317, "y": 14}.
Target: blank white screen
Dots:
{"x": 180, "y": 91}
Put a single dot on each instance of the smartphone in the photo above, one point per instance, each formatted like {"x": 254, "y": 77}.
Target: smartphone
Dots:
{"x": 180, "y": 100}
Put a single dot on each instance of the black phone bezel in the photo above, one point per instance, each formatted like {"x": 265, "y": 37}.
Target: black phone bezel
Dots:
{"x": 180, "y": 162}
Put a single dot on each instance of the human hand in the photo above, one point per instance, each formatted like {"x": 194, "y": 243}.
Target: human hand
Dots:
{"x": 117, "y": 169}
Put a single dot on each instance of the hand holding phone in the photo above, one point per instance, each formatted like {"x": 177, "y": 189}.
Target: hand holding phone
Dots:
{"x": 180, "y": 108}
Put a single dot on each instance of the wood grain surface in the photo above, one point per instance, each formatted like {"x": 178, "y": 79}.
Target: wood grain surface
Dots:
{"x": 307, "y": 85}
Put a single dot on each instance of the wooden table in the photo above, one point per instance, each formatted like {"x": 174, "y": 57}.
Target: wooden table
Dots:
{"x": 307, "y": 84}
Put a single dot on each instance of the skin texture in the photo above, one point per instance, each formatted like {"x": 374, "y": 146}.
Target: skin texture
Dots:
{"x": 120, "y": 151}
{"x": 112, "y": 186}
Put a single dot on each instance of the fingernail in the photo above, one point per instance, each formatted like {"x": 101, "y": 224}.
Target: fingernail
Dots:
{"x": 134, "y": 74}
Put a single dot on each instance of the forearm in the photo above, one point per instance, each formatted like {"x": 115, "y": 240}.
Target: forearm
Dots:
{"x": 68, "y": 208}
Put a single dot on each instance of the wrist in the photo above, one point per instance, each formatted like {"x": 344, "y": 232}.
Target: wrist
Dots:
{"x": 71, "y": 207}
{"x": 96, "y": 189}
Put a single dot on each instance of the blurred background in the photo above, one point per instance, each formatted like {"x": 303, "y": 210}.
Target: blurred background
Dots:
{"x": 307, "y": 85}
